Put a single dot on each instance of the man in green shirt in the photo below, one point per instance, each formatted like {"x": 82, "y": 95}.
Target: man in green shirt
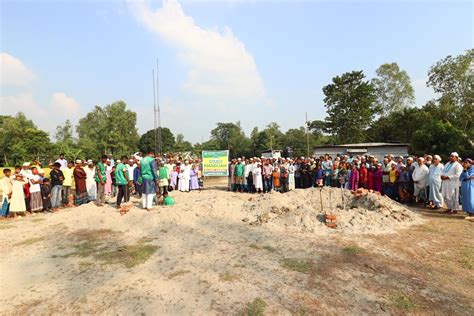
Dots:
{"x": 163, "y": 178}
{"x": 149, "y": 179}
{"x": 167, "y": 200}
{"x": 101, "y": 178}
{"x": 122, "y": 181}
{"x": 239, "y": 174}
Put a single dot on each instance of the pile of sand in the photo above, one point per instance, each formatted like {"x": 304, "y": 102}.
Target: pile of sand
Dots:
{"x": 303, "y": 210}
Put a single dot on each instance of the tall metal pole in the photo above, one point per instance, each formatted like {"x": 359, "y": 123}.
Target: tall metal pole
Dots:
{"x": 154, "y": 108}
{"x": 307, "y": 135}
{"x": 160, "y": 141}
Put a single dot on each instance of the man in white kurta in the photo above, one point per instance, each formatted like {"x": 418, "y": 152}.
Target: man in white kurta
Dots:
{"x": 184, "y": 177}
{"x": 90, "y": 181}
{"x": 450, "y": 187}
{"x": 420, "y": 178}
{"x": 434, "y": 182}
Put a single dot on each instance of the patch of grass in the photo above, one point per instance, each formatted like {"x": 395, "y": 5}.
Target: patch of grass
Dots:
{"x": 255, "y": 308}
{"x": 130, "y": 255}
{"x": 298, "y": 265}
{"x": 37, "y": 220}
{"x": 30, "y": 241}
{"x": 402, "y": 301}
{"x": 92, "y": 234}
{"x": 237, "y": 265}
{"x": 268, "y": 248}
{"x": 177, "y": 273}
{"x": 354, "y": 250}
{"x": 227, "y": 277}
{"x": 85, "y": 249}
{"x": 467, "y": 259}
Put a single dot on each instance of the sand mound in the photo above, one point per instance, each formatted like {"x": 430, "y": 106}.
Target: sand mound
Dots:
{"x": 304, "y": 210}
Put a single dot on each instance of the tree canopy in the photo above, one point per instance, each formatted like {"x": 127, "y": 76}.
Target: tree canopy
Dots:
{"x": 350, "y": 104}
{"x": 393, "y": 88}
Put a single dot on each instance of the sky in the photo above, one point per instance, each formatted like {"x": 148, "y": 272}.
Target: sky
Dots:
{"x": 219, "y": 61}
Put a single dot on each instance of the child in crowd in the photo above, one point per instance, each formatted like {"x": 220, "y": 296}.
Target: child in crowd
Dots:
{"x": 319, "y": 176}
{"x": 46, "y": 195}
{"x": 167, "y": 200}
{"x": 403, "y": 184}
{"x": 6, "y": 189}
{"x": 284, "y": 179}
{"x": 36, "y": 201}
{"x": 114, "y": 183}
{"x": 276, "y": 179}
{"x": 174, "y": 178}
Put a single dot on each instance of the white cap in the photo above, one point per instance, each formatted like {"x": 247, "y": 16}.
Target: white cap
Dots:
{"x": 90, "y": 162}
{"x": 455, "y": 154}
{"x": 26, "y": 164}
{"x": 78, "y": 161}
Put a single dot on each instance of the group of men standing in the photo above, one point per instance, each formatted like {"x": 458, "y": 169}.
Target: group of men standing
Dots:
{"x": 421, "y": 180}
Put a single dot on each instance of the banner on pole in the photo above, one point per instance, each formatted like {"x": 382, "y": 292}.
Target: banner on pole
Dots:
{"x": 215, "y": 163}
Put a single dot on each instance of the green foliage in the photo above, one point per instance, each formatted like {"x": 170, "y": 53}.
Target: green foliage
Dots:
{"x": 21, "y": 140}
{"x": 147, "y": 140}
{"x": 255, "y": 308}
{"x": 392, "y": 88}
{"x": 110, "y": 129}
{"x": 453, "y": 78}
{"x": 182, "y": 145}
{"x": 350, "y": 104}
{"x": 231, "y": 136}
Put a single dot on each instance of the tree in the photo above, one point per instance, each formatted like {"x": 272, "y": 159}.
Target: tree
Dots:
{"x": 274, "y": 136}
{"x": 453, "y": 78}
{"x": 181, "y": 145}
{"x": 64, "y": 133}
{"x": 21, "y": 140}
{"x": 350, "y": 106}
{"x": 147, "y": 140}
{"x": 230, "y": 136}
{"x": 392, "y": 88}
{"x": 110, "y": 129}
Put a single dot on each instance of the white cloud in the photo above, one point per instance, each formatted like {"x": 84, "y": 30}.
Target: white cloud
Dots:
{"x": 61, "y": 102}
{"x": 218, "y": 62}
{"x": 46, "y": 116}
{"x": 23, "y": 102}
{"x": 13, "y": 71}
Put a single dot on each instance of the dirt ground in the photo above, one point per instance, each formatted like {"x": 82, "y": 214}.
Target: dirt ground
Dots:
{"x": 200, "y": 258}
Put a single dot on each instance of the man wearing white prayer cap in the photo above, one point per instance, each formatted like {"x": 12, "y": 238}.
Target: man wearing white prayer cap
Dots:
{"x": 450, "y": 187}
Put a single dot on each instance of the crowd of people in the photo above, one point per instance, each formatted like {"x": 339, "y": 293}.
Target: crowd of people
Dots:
{"x": 424, "y": 180}
{"x": 28, "y": 189}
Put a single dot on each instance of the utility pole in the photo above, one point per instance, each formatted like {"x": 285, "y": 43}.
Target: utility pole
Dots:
{"x": 307, "y": 135}
{"x": 154, "y": 110}
{"x": 160, "y": 140}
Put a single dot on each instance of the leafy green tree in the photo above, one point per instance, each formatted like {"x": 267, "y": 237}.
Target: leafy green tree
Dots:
{"x": 21, "y": 140}
{"x": 453, "y": 78}
{"x": 147, "y": 140}
{"x": 393, "y": 88}
{"x": 350, "y": 104}
{"x": 182, "y": 145}
{"x": 110, "y": 129}
{"x": 274, "y": 136}
{"x": 64, "y": 133}
{"x": 231, "y": 136}
{"x": 441, "y": 138}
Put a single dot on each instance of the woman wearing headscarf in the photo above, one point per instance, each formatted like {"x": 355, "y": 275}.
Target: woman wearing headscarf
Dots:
{"x": 467, "y": 189}
{"x": 80, "y": 177}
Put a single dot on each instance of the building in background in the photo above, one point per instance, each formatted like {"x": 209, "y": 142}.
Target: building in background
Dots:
{"x": 378, "y": 150}
{"x": 271, "y": 154}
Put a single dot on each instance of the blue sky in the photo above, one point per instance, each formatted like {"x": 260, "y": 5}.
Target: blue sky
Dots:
{"x": 220, "y": 61}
